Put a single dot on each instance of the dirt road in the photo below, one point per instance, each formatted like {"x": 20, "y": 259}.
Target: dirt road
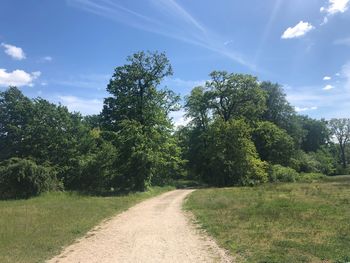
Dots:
{"x": 156, "y": 230}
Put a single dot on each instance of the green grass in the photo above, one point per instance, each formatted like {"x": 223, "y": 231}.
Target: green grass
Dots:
{"x": 295, "y": 222}
{"x": 35, "y": 229}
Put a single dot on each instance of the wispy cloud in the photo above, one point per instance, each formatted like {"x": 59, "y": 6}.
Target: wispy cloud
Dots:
{"x": 87, "y": 81}
{"x": 272, "y": 17}
{"x": 169, "y": 19}
{"x": 298, "y": 109}
{"x": 327, "y": 78}
{"x": 345, "y": 73}
{"x": 82, "y": 105}
{"x": 298, "y": 30}
{"x": 16, "y": 53}
{"x": 342, "y": 41}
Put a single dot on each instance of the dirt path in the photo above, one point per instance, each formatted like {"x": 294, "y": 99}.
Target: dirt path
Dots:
{"x": 156, "y": 230}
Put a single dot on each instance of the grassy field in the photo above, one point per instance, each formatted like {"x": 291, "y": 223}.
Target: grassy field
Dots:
{"x": 300, "y": 222}
{"x": 33, "y": 230}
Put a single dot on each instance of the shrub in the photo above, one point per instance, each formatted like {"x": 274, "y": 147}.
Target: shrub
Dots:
{"x": 273, "y": 144}
{"x": 309, "y": 177}
{"x": 279, "y": 173}
{"x": 22, "y": 178}
{"x": 320, "y": 161}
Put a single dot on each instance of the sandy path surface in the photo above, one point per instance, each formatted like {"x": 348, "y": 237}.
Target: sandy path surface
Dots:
{"x": 156, "y": 230}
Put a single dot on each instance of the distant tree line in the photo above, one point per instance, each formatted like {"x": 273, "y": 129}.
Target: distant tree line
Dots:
{"x": 241, "y": 132}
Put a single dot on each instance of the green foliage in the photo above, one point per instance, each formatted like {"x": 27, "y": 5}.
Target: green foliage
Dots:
{"x": 197, "y": 107}
{"x": 233, "y": 157}
{"x": 321, "y": 161}
{"x": 273, "y": 144}
{"x": 135, "y": 93}
{"x": 310, "y": 177}
{"x": 316, "y": 134}
{"x": 21, "y": 178}
{"x": 15, "y": 113}
{"x": 138, "y": 113}
{"x": 340, "y": 129}
{"x": 279, "y": 173}
{"x": 278, "y": 109}
{"x": 235, "y": 96}
{"x": 97, "y": 171}
{"x": 234, "y": 121}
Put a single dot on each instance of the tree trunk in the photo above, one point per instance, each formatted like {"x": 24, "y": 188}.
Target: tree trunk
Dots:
{"x": 343, "y": 158}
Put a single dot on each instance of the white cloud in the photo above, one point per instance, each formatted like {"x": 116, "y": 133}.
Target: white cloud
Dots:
{"x": 298, "y": 30}
{"x": 328, "y": 87}
{"x": 17, "y": 78}
{"x": 14, "y": 52}
{"x": 342, "y": 41}
{"x": 82, "y": 105}
{"x": 327, "y": 78}
{"x": 336, "y": 6}
{"x": 299, "y": 109}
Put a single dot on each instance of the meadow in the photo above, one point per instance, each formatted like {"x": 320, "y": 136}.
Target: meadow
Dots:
{"x": 284, "y": 222}
{"x": 35, "y": 229}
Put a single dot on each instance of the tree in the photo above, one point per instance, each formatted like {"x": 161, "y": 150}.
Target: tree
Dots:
{"x": 138, "y": 113}
{"x": 280, "y": 112}
{"x": 15, "y": 114}
{"x": 316, "y": 133}
{"x": 135, "y": 93}
{"x": 340, "y": 129}
{"x": 233, "y": 159}
{"x": 235, "y": 96}
{"x": 278, "y": 109}
{"x": 273, "y": 144}
{"x": 197, "y": 107}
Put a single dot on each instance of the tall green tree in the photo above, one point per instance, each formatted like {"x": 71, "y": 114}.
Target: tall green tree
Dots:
{"x": 15, "y": 115}
{"x": 135, "y": 92}
{"x": 278, "y": 109}
{"x": 138, "y": 112}
{"x": 340, "y": 129}
{"x": 280, "y": 112}
{"x": 234, "y": 96}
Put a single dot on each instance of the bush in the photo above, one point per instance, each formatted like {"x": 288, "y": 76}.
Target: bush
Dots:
{"x": 273, "y": 144}
{"x": 320, "y": 161}
{"x": 309, "y": 177}
{"x": 22, "y": 178}
{"x": 279, "y": 173}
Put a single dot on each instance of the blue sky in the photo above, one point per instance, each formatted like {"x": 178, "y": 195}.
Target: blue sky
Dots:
{"x": 66, "y": 50}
